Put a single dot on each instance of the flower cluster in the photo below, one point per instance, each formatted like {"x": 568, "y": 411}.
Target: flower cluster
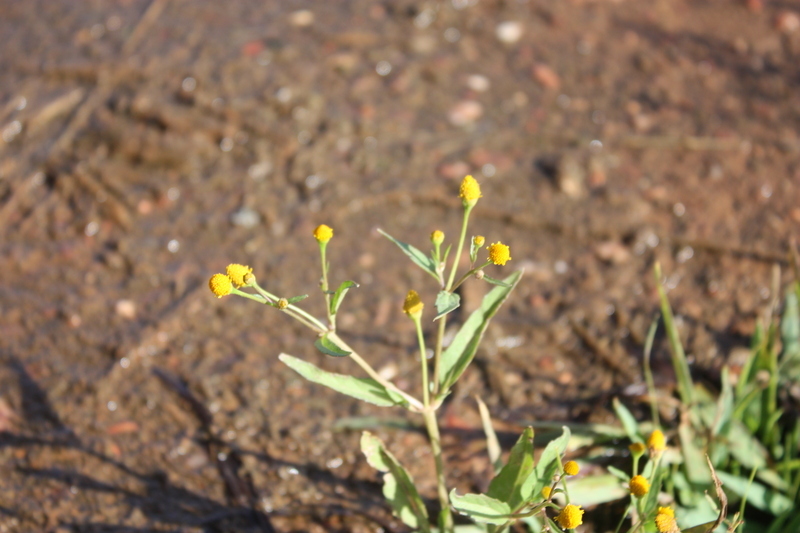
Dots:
{"x": 499, "y": 253}
{"x": 665, "y": 521}
{"x": 235, "y": 276}
{"x": 571, "y": 516}
{"x": 639, "y": 486}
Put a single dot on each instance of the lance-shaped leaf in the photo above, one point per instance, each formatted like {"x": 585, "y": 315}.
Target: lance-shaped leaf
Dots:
{"x": 481, "y": 508}
{"x": 295, "y": 299}
{"x": 547, "y": 466}
{"x": 495, "y": 281}
{"x": 364, "y": 389}
{"x": 338, "y": 296}
{"x": 326, "y": 346}
{"x": 507, "y": 484}
{"x": 459, "y": 354}
{"x": 446, "y": 302}
{"x": 398, "y": 485}
{"x": 628, "y": 421}
{"x": 419, "y": 258}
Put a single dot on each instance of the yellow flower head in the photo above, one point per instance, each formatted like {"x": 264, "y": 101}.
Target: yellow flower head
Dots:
{"x": 437, "y": 237}
{"x": 413, "y": 305}
{"x": 571, "y": 516}
{"x": 639, "y": 486}
{"x": 636, "y": 448}
{"x": 665, "y": 521}
{"x": 657, "y": 442}
{"x": 221, "y": 285}
{"x": 237, "y": 274}
{"x": 478, "y": 241}
{"x": 283, "y": 303}
{"x": 323, "y": 233}
{"x": 547, "y": 491}
{"x": 470, "y": 191}
{"x": 499, "y": 253}
{"x": 571, "y": 468}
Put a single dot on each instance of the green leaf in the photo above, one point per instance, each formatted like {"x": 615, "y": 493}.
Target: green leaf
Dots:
{"x": 757, "y": 495}
{"x": 594, "y": 490}
{"x": 398, "y": 485}
{"x": 628, "y": 421}
{"x": 295, "y": 299}
{"x": 419, "y": 258}
{"x": 324, "y": 345}
{"x": 549, "y": 460}
{"x": 507, "y": 483}
{"x": 495, "y": 281}
{"x": 338, "y": 296}
{"x": 492, "y": 444}
{"x": 724, "y": 411}
{"x": 547, "y": 466}
{"x": 677, "y": 354}
{"x": 790, "y": 325}
{"x": 459, "y": 354}
{"x": 702, "y": 528}
{"x": 481, "y": 508}
{"x": 745, "y": 447}
{"x": 364, "y": 389}
{"x": 446, "y": 302}
{"x": 617, "y": 473}
{"x": 694, "y": 463}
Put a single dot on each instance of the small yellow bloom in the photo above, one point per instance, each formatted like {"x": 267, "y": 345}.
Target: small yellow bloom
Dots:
{"x": 478, "y": 241}
{"x": 220, "y": 284}
{"x": 636, "y": 448}
{"x": 283, "y": 303}
{"x": 639, "y": 486}
{"x": 413, "y": 305}
{"x": 470, "y": 191}
{"x": 665, "y": 521}
{"x": 571, "y": 468}
{"x": 547, "y": 491}
{"x": 499, "y": 253}
{"x": 323, "y": 233}
{"x": 237, "y": 274}
{"x": 571, "y": 516}
{"x": 437, "y": 237}
{"x": 657, "y": 442}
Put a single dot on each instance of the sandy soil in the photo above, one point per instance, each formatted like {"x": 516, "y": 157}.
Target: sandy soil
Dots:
{"x": 146, "y": 145}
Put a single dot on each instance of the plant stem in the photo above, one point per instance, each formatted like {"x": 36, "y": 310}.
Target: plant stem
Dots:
{"x": 426, "y": 397}
{"x": 464, "y": 222}
{"x": 468, "y": 274}
{"x": 436, "y": 446}
{"x": 310, "y": 320}
{"x": 437, "y": 354}
{"x": 413, "y": 402}
{"x": 325, "y": 286}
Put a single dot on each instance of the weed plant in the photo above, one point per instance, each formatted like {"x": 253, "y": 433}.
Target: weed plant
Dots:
{"x": 543, "y": 493}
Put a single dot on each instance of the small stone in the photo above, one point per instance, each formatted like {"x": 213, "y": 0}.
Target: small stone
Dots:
{"x": 571, "y": 177}
{"x": 127, "y": 426}
{"x": 509, "y": 32}
{"x": 546, "y": 76}
{"x": 478, "y": 83}
{"x": 787, "y": 21}
{"x": 612, "y": 252}
{"x": 259, "y": 171}
{"x": 125, "y": 309}
{"x": 465, "y": 112}
{"x": 245, "y": 218}
{"x": 454, "y": 171}
{"x": 302, "y": 18}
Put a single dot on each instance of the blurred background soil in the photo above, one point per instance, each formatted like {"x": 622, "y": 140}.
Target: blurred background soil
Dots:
{"x": 147, "y": 144}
